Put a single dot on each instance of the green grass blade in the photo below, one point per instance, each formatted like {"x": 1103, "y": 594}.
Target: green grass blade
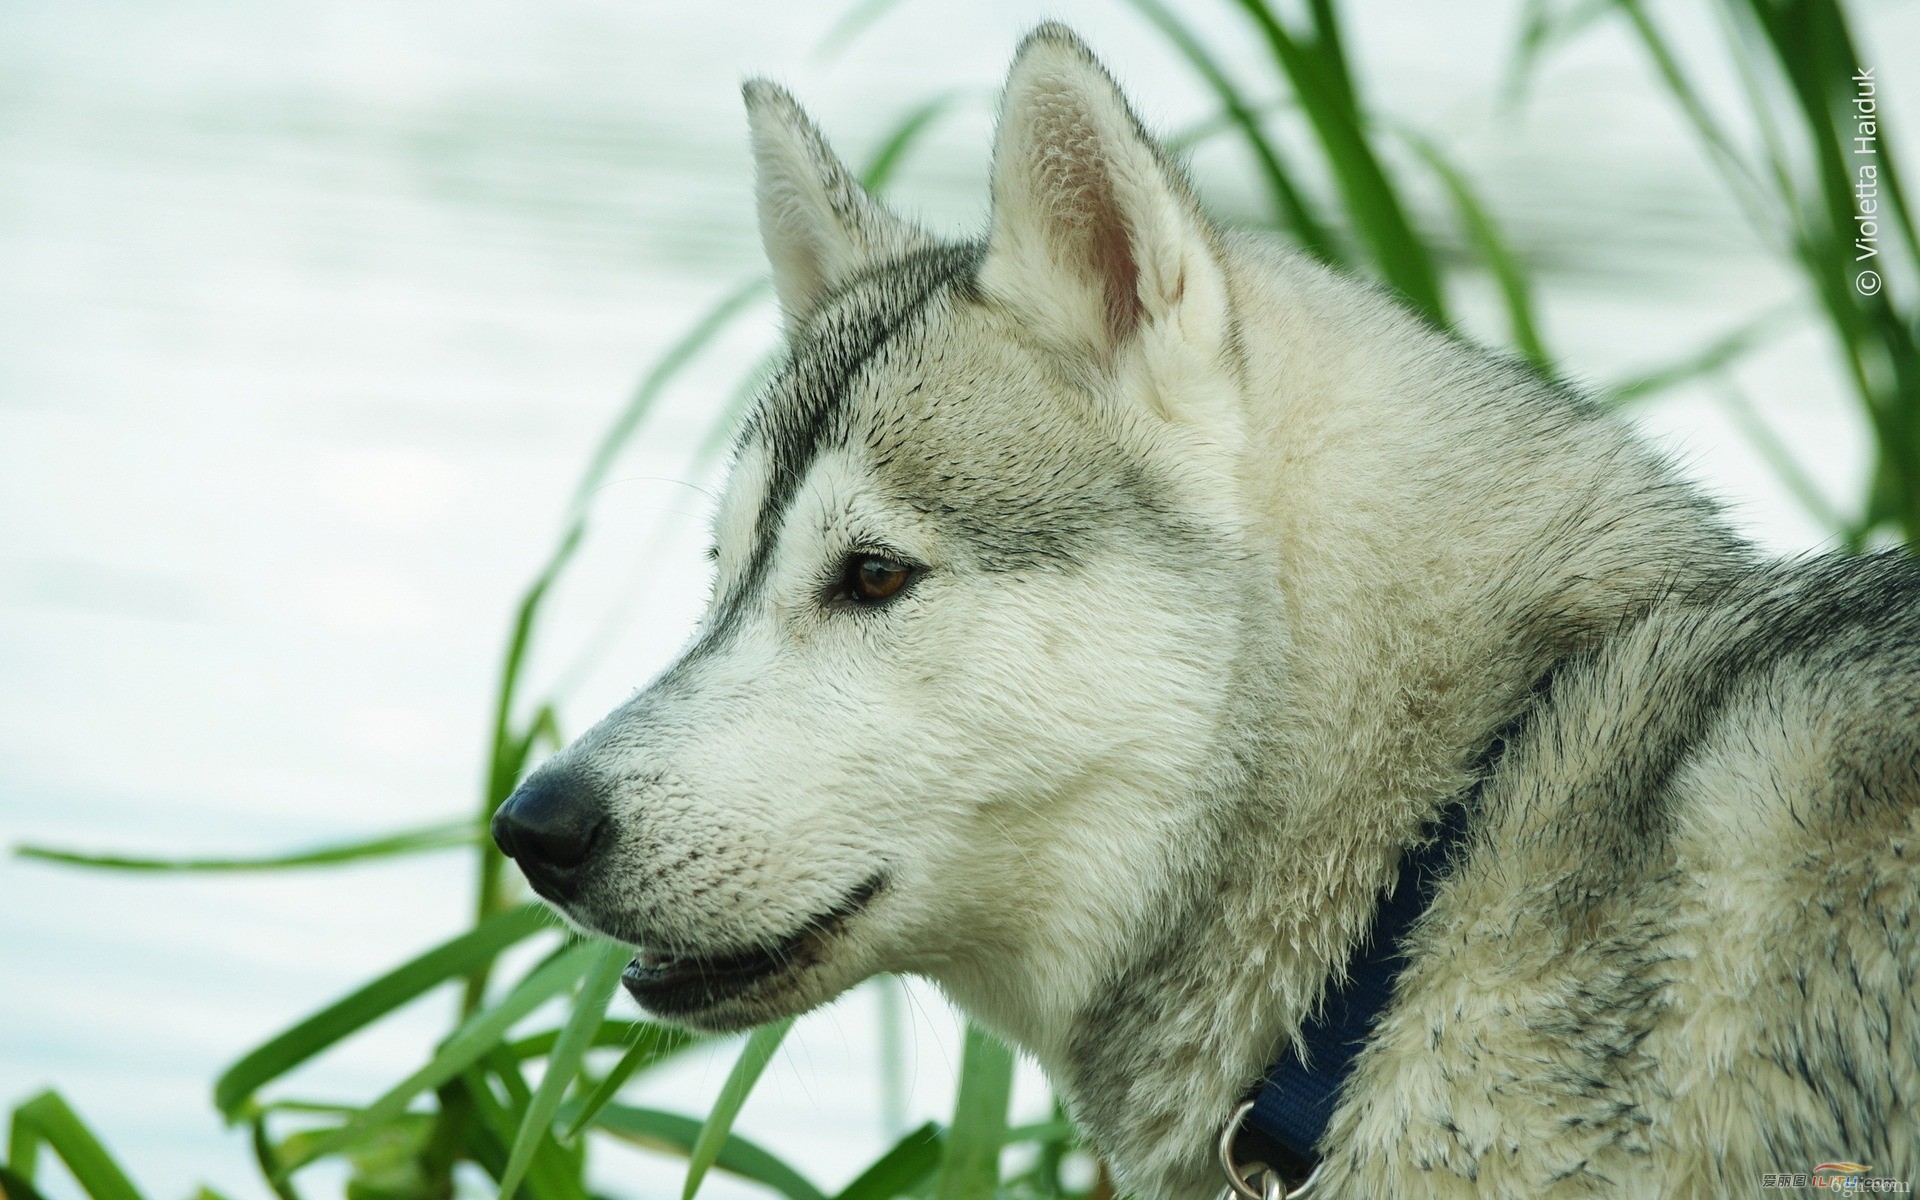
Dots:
{"x": 23, "y": 1147}
{"x": 1814, "y": 50}
{"x": 557, "y": 1170}
{"x": 328, "y": 1108}
{"x": 901, "y": 1169}
{"x": 736, "y": 403}
{"x": 621, "y": 1034}
{"x": 1813, "y": 53}
{"x": 1291, "y": 210}
{"x": 655, "y": 1044}
{"x": 1042, "y": 1131}
{"x": 1321, "y": 81}
{"x": 665, "y": 370}
{"x": 399, "y": 1140}
{"x": 564, "y": 1063}
{"x": 737, "y": 1156}
{"x": 292, "y": 1147}
{"x": 1733, "y": 168}
{"x": 1773, "y": 151}
{"x": 754, "y": 1057}
{"x": 550, "y": 1175}
{"x": 1493, "y": 250}
{"x": 1720, "y": 352}
{"x": 1541, "y": 27}
{"x": 858, "y": 18}
{"x": 351, "y": 1013}
{"x": 14, "y": 1186}
{"x": 267, "y": 1158}
{"x": 1054, "y": 1138}
{"x": 439, "y": 836}
{"x": 471, "y": 1042}
{"x": 47, "y": 1120}
{"x": 506, "y": 1068}
{"x": 1332, "y": 48}
{"x": 544, "y": 729}
{"x": 1778, "y": 458}
{"x": 1181, "y": 140}
{"x": 970, "y": 1168}
{"x": 894, "y": 147}
{"x": 470, "y": 1132}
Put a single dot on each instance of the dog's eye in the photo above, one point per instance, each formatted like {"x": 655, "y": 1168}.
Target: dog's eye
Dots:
{"x": 873, "y": 578}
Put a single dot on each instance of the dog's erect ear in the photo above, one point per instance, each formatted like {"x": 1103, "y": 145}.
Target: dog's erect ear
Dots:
{"x": 1093, "y": 227}
{"x": 817, "y": 223}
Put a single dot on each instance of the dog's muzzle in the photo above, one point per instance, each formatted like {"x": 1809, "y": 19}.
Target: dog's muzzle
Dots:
{"x": 551, "y": 826}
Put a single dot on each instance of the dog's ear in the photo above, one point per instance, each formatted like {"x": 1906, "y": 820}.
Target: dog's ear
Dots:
{"x": 817, "y": 223}
{"x": 1095, "y": 231}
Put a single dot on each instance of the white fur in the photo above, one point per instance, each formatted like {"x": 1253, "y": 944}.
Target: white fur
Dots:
{"x": 816, "y": 221}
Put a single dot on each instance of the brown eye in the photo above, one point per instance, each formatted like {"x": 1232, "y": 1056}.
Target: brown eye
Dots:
{"x": 872, "y": 578}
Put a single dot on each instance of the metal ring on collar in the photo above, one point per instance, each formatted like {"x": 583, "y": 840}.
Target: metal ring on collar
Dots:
{"x": 1255, "y": 1180}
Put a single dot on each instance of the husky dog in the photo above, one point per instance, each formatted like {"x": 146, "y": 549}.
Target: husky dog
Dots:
{"x": 1103, "y": 609}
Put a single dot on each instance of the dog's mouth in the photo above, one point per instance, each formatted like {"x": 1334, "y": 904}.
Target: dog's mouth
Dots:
{"x": 678, "y": 985}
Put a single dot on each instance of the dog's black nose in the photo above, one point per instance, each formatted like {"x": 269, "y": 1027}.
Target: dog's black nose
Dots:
{"x": 549, "y": 826}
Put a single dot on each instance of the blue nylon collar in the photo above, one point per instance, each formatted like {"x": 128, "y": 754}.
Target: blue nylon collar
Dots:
{"x": 1297, "y": 1100}
{"x": 1291, "y": 1111}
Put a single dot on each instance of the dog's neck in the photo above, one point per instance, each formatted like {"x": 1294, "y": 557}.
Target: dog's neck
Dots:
{"x": 1432, "y": 550}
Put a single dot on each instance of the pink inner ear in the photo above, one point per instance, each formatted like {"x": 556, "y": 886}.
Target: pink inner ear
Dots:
{"x": 1118, "y": 272}
{"x": 1095, "y": 239}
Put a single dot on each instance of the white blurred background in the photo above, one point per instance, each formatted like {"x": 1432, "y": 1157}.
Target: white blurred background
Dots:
{"x": 310, "y": 314}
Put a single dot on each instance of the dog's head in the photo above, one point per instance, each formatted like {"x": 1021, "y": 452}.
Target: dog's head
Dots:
{"x": 974, "y": 609}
